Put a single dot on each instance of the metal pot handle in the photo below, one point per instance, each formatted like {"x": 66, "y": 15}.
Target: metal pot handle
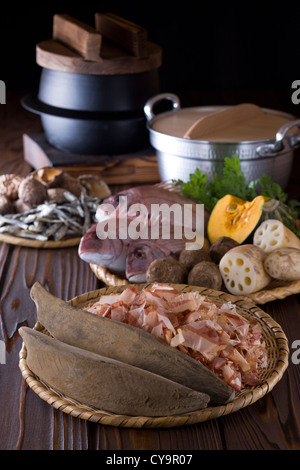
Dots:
{"x": 277, "y": 146}
{"x": 148, "y": 108}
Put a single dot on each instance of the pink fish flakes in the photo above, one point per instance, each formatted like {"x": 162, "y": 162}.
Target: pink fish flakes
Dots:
{"x": 216, "y": 335}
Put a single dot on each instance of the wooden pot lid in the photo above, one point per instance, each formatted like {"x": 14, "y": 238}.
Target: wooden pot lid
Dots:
{"x": 114, "y": 47}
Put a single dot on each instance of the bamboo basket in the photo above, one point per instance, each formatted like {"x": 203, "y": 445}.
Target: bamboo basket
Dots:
{"x": 273, "y": 335}
{"x": 275, "y": 290}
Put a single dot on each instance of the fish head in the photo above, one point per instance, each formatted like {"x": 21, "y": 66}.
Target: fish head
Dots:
{"x": 108, "y": 252}
{"x": 139, "y": 257}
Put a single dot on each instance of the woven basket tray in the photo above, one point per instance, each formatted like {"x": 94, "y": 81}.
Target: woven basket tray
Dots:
{"x": 275, "y": 290}
{"x": 277, "y": 346}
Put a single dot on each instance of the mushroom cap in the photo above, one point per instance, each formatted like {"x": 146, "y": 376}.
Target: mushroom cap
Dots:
{"x": 50, "y": 177}
{"x": 9, "y": 185}
{"x": 6, "y": 205}
{"x": 32, "y": 192}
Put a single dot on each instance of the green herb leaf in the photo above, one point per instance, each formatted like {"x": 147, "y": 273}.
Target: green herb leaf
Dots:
{"x": 231, "y": 182}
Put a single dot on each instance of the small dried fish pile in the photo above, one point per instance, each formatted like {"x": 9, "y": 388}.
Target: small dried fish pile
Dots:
{"x": 53, "y": 220}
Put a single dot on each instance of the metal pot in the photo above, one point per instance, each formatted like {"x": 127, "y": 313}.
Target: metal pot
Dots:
{"x": 90, "y": 133}
{"x": 179, "y": 157}
{"x": 100, "y": 93}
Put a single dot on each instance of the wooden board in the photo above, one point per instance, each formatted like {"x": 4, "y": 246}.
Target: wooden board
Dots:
{"x": 53, "y": 55}
{"x": 138, "y": 167}
{"x": 128, "y": 35}
{"x": 79, "y": 36}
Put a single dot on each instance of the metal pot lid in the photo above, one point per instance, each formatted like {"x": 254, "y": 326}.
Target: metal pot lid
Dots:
{"x": 178, "y": 121}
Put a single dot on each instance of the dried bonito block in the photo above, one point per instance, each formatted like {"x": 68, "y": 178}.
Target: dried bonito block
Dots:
{"x": 242, "y": 270}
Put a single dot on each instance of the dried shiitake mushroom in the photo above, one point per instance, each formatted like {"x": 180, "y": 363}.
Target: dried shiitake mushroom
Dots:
{"x": 6, "y": 206}
{"x": 205, "y": 274}
{"x": 57, "y": 194}
{"x": 9, "y": 185}
{"x": 95, "y": 186}
{"x": 71, "y": 184}
{"x": 50, "y": 177}
{"x": 32, "y": 192}
{"x": 21, "y": 206}
{"x": 167, "y": 270}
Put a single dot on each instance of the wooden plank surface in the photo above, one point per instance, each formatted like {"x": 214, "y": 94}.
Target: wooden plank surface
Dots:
{"x": 27, "y": 422}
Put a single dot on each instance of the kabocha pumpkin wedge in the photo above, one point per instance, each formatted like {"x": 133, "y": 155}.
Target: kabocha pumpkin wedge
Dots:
{"x": 125, "y": 343}
{"x": 234, "y": 218}
{"x": 105, "y": 383}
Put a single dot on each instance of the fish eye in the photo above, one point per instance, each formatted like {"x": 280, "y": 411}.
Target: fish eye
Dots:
{"x": 139, "y": 254}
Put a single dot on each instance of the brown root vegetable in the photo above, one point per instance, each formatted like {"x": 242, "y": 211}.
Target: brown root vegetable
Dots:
{"x": 95, "y": 186}
{"x": 9, "y": 185}
{"x": 205, "y": 274}
{"x": 189, "y": 258}
{"x": 6, "y": 206}
{"x": 167, "y": 270}
{"x": 220, "y": 247}
{"x": 71, "y": 184}
{"x": 50, "y": 177}
{"x": 32, "y": 192}
{"x": 284, "y": 264}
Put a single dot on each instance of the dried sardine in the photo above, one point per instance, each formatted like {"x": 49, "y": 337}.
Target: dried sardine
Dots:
{"x": 52, "y": 220}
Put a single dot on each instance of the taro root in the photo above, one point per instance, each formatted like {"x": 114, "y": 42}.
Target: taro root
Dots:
{"x": 189, "y": 258}
{"x": 6, "y": 206}
{"x": 50, "y": 177}
{"x": 205, "y": 274}
{"x": 32, "y": 192}
{"x": 220, "y": 247}
{"x": 71, "y": 184}
{"x": 167, "y": 270}
{"x": 9, "y": 185}
{"x": 95, "y": 186}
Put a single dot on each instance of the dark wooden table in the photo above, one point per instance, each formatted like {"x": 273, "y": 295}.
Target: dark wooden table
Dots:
{"x": 29, "y": 423}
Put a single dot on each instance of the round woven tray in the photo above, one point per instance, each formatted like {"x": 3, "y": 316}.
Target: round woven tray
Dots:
{"x": 275, "y": 290}
{"x": 273, "y": 335}
{"x": 27, "y": 242}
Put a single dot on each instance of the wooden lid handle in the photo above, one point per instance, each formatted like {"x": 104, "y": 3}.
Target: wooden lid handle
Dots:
{"x": 77, "y": 35}
{"x": 129, "y": 36}
{"x": 223, "y": 119}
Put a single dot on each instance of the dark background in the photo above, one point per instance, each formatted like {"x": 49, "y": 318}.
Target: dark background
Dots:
{"x": 246, "y": 49}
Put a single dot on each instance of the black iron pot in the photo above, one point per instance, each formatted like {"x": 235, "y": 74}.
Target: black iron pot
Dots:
{"x": 90, "y": 133}
{"x": 101, "y": 93}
